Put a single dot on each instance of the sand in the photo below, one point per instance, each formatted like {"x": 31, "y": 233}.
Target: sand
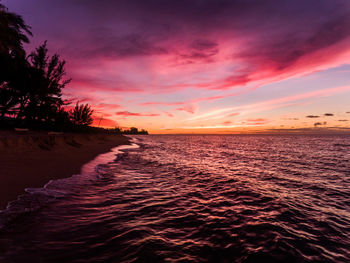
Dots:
{"x": 31, "y": 159}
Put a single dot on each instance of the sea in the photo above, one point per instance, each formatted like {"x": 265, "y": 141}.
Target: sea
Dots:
{"x": 192, "y": 198}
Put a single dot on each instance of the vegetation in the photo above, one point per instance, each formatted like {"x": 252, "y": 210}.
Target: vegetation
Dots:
{"x": 31, "y": 86}
{"x": 134, "y": 130}
{"x": 81, "y": 115}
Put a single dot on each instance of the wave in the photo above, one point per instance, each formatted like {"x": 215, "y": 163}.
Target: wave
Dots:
{"x": 35, "y": 198}
{"x": 198, "y": 199}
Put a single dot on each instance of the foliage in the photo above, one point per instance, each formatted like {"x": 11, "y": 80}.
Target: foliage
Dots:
{"x": 13, "y": 33}
{"x": 81, "y": 114}
{"x": 43, "y": 99}
{"x": 134, "y": 130}
{"x": 31, "y": 86}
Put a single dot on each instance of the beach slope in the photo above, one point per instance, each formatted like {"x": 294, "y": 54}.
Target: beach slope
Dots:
{"x": 32, "y": 159}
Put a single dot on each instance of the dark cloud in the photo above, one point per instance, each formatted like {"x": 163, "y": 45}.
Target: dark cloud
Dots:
{"x": 199, "y": 50}
{"x": 328, "y": 114}
{"x": 316, "y": 124}
{"x": 312, "y": 116}
{"x": 131, "y": 45}
{"x": 343, "y": 120}
{"x": 136, "y": 27}
{"x": 203, "y": 45}
{"x": 291, "y": 119}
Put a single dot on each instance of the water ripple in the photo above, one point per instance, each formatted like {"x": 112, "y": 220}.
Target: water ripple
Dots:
{"x": 198, "y": 199}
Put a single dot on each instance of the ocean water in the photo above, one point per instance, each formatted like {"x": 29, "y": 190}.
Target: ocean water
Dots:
{"x": 201, "y": 198}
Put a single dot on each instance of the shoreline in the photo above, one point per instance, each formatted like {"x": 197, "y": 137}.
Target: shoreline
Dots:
{"x": 32, "y": 159}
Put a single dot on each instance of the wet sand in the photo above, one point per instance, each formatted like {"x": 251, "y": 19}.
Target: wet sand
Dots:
{"x": 33, "y": 159}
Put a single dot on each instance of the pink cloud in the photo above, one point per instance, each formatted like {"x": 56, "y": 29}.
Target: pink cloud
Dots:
{"x": 287, "y": 101}
{"x": 259, "y": 121}
{"x": 227, "y": 123}
{"x": 201, "y": 99}
{"x": 103, "y": 122}
{"x": 193, "y": 45}
{"x": 107, "y": 106}
{"x": 162, "y": 103}
{"x": 136, "y": 114}
{"x": 169, "y": 114}
{"x": 233, "y": 114}
{"x": 188, "y": 108}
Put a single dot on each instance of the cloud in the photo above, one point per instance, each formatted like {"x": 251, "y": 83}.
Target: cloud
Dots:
{"x": 272, "y": 104}
{"x": 200, "y": 99}
{"x": 188, "y": 108}
{"x": 144, "y": 47}
{"x": 110, "y": 106}
{"x": 233, "y": 114}
{"x": 343, "y": 120}
{"x": 144, "y": 39}
{"x": 291, "y": 119}
{"x": 312, "y": 116}
{"x": 162, "y": 103}
{"x": 169, "y": 114}
{"x": 227, "y": 123}
{"x": 107, "y": 45}
{"x": 136, "y": 114}
{"x": 259, "y": 121}
{"x": 200, "y": 50}
{"x": 316, "y": 124}
{"x": 104, "y": 122}
{"x": 328, "y": 114}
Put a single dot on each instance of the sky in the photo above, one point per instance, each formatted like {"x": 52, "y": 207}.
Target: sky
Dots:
{"x": 202, "y": 66}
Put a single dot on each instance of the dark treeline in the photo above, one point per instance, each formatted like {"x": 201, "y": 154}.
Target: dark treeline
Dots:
{"x": 31, "y": 85}
{"x": 132, "y": 130}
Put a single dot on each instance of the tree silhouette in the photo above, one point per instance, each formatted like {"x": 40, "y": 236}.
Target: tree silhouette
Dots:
{"x": 7, "y": 100}
{"x": 42, "y": 98}
{"x": 13, "y": 33}
{"x": 81, "y": 114}
{"x": 134, "y": 130}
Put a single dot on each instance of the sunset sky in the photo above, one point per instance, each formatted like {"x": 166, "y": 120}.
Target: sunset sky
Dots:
{"x": 213, "y": 66}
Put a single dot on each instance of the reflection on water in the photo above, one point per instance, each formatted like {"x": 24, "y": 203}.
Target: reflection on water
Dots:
{"x": 196, "y": 199}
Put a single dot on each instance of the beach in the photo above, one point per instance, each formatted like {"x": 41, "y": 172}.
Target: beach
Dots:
{"x": 31, "y": 159}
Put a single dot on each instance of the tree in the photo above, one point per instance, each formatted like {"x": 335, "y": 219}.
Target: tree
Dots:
{"x": 13, "y": 33}
{"x": 143, "y": 131}
{"x": 117, "y": 130}
{"x": 8, "y": 99}
{"x": 81, "y": 114}
{"x": 42, "y": 93}
{"x": 134, "y": 130}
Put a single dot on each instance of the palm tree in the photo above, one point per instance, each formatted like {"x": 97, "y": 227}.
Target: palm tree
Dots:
{"x": 13, "y": 33}
{"x": 82, "y": 114}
